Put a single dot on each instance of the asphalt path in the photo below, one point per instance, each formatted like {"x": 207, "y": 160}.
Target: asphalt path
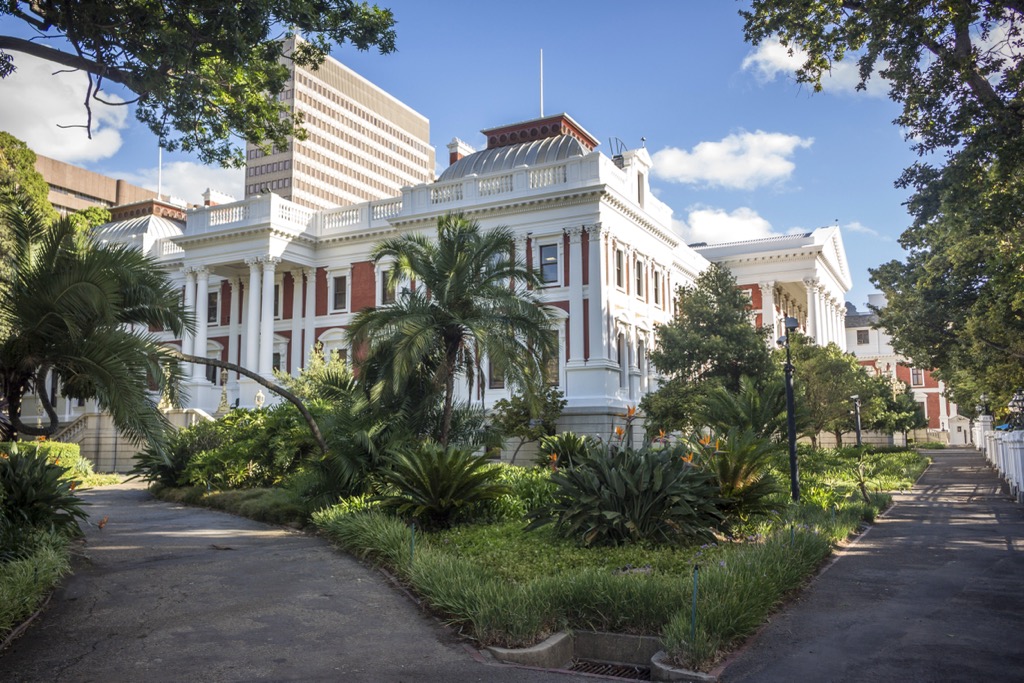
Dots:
{"x": 165, "y": 592}
{"x": 933, "y": 592}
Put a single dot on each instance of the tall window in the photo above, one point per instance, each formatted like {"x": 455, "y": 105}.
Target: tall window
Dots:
{"x": 863, "y": 336}
{"x": 551, "y": 366}
{"x": 549, "y": 264}
{"x": 212, "y": 299}
{"x": 277, "y": 300}
{"x": 340, "y": 298}
{"x": 620, "y": 269}
{"x": 387, "y": 288}
{"x": 639, "y": 267}
{"x": 916, "y": 377}
{"x": 656, "y": 276}
{"x": 495, "y": 380}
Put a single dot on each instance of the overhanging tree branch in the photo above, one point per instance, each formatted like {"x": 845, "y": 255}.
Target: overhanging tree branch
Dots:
{"x": 69, "y": 60}
{"x": 273, "y": 386}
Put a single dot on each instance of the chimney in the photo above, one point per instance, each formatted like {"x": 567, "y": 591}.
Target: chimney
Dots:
{"x": 458, "y": 149}
{"x": 213, "y": 198}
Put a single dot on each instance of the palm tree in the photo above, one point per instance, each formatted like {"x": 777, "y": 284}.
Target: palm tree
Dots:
{"x": 77, "y": 312}
{"x": 471, "y": 299}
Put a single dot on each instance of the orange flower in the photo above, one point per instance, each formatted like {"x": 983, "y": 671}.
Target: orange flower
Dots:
{"x": 705, "y": 440}
{"x": 717, "y": 446}
{"x": 73, "y": 485}
{"x": 619, "y": 431}
{"x": 40, "y": 438}
{"x": 687, "y": 458}
{"x": 4, "y": 456}
{"x": 553, "y": 457}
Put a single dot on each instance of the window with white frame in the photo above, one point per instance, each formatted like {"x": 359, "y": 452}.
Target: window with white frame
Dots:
{"x": 333, "y": 344}
{"x": 495, "y": 378}
{"x": 863, "y": 337}
{"x": 278, "y": 303}
{"x": 213, "y": 307}
{"x": 339, "y": 291}
{"x": 916, "y": 377}
{"x": 549, "y": 264}
{"x": 387, "y": 288}
{"x": 639, "y": 268}
{"x": 620, "y": 269}
{"x": 656, "y": 283}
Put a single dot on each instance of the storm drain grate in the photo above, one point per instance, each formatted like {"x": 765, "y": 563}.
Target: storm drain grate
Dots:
{"x": 627, "y": 671}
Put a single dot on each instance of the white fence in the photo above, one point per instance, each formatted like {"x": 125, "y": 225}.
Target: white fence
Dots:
{"x": 1004, "y": 451}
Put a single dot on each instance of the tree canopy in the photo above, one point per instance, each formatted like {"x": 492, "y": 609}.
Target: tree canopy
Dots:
{"x": 469, "y": 300}
{"x": 710, "y": 342}
{"x": 205, "y": 74}
{"x": 957, "y": 69}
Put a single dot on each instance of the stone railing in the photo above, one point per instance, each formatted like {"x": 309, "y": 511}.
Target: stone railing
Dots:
{"x": 269, "y": 209}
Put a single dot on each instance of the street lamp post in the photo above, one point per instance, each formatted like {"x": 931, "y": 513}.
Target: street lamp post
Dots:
{"x": 856, "y": 411}
{"x": 794, "y": 473}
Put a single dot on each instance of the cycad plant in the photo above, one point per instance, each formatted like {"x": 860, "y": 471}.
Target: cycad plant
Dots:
{"x": 741, "y": 465}
{"x": 614, "y": 496}
{"x": 432, "y": 484}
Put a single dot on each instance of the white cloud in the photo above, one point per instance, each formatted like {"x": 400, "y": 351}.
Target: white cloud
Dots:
{"x": 771, "y": 60}
{"x": 860, "y": 228}
{"x": 713, "y": 225}
{"x": 37, "y": 102}
{"x": 188, "y": 180}
{"x": 741, "y": 161}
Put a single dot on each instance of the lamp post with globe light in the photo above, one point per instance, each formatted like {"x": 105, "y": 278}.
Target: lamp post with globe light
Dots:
{"x": 794, "y": 473}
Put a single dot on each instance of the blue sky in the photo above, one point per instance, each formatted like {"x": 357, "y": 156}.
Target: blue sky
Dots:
{"x": 741, "y": 150}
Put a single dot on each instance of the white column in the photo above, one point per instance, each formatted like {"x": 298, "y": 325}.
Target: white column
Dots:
{"x": 768, "y": 308}
{"x": 266, "y": 353}
{"x": 842, "y": 328}
{"x": 202, "y": 323}
{"x": 296, "y": 321}
{"x": 575, "y": 258}
{"x": 812, "y": 309}
{"x": 252, "y": 315}
{"x": 595, "y": 293}
{"x": 234, "y": 327}
{"x": 310, "y": 319}
{"x": 187, "y": 340}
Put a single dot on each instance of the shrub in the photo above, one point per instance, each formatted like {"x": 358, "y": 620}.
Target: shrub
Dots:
{"x": 529, "y": 489}
{"x": 36, "y": 495}
{"x": 27, "y": 576}
{"x": 67, "y": 455}
{"x": 614, "y": 496}
{"x": 741, "y": 464}
{"x": 566, "y": 448}
{"x": 433, "y": 484}
{"x": 166, "y": 467}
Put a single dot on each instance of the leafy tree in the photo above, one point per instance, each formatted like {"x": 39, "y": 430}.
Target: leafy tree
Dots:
{"x": 957, "y": 69}
{"x": 709, "y": 343}
{"x": 87, "y": 219}
{"x": 897, "y": 411}
{"x": 471, "y": 300}
{"x": 210, "y": 71}
{"x": 824, "y": 378}
{"x": 66, "y": 307}
{"x": 18, "y": 173}
{"x": 529, "y": 420}
{"x": 759, "y": 408}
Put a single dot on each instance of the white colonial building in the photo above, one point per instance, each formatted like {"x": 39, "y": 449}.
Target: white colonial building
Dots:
{"x": 268, "y": 279}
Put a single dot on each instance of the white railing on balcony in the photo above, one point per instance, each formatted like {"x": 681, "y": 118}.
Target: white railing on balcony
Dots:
{"x": 335, "y": 219}
{"x": 445, "y": 194}
{"x": 487, "y": 187}
{"x": 232, "y": 213}
{"x": 546, "y": 177}
{"x": 293, "y": 214}
{"x": 166, "y": 247}
{"x": 385, "y": 209}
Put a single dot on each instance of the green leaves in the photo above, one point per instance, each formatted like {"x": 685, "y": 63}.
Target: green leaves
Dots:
{"x": 210, "y": 72}
{"x": 614, "y": 496}
{"x": 35, "y": 494}
{"x": 432, "y": 484}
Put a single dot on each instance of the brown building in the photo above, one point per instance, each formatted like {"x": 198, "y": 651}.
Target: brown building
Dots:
{"x": 73, "y": 188}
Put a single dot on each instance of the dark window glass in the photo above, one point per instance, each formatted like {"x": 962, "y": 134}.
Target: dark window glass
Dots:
{"x": 549, "y": 263}
{"x": 862, "y": 336}
{"x": 211, "y": 308}
{"x": 341, "y": 293}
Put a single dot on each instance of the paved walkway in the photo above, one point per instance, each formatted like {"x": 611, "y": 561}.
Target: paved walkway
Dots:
{"x": 933, "y": 592}
{"x": 171, "y": 593}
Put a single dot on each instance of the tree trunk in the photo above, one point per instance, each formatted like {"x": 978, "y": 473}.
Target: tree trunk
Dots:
{"x": 839, "y": 438}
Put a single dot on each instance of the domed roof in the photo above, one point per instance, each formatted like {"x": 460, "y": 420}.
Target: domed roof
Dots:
{"x": 497, "y": 159}
{"x": 156, "y": 227}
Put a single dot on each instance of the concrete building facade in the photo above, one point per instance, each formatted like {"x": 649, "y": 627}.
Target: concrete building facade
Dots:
{"x": 73, "y": 188}
{"x": 362, "y": 144}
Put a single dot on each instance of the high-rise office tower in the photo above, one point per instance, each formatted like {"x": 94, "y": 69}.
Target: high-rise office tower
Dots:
{"x": 363, "y": 144}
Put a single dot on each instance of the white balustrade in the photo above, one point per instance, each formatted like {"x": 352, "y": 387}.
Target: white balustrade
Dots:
{"x": 340, "y": 218}
{"x": 487, "y": 187}
{"x": 444, "y": 194}
{"x": 386, "y": 209}
{"x": 545, "y": 177}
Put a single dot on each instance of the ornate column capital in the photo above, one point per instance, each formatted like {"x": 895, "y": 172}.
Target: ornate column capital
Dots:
{"x": 252, "y": 261}
{"x": 767, "y": 286}
{"x": 596, "y": 230}
{"x": 575, "y": 234}
{"x": 811, "y": 283}
{"x": 270, "y": 263}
